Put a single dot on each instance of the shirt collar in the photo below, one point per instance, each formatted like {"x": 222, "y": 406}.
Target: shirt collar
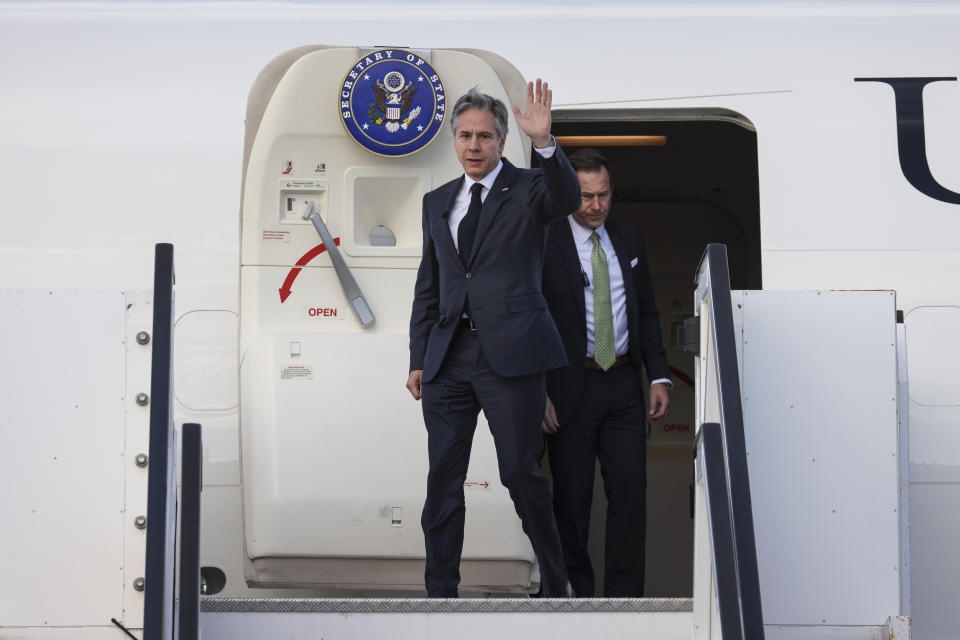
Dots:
{"x": 487, "y": 180}
{"x": 581, "y": 234}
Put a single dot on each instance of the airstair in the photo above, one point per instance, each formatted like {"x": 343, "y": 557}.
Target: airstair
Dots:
{"x": 818, "y": 549}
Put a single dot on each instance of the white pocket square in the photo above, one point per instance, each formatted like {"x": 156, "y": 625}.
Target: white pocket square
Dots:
{"x": 634, "y": 262}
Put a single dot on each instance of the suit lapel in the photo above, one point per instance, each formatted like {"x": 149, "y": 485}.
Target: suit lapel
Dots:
{"x": 449, "y": 198}
{"x": 626, "y": 271}
{"x": 491, "y": 205}
{"x": 565, "y": 243}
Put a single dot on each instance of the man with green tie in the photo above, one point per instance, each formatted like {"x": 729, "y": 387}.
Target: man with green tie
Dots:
{"x": 600, "y": 295}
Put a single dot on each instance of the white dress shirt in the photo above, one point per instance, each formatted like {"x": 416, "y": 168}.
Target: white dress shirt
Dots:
{"x": 618, "y": 294}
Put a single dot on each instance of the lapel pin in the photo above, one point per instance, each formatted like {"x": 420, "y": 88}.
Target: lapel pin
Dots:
{"x": 505, "y": 189}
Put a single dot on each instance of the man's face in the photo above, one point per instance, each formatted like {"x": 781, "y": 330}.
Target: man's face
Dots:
{"x": 477, "y": 144}
{"x": 595, "y": 198}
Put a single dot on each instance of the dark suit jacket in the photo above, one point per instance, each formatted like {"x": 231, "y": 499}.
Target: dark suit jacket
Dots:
{"x": 502, "y": 276}
{"x": 563, "y": 288}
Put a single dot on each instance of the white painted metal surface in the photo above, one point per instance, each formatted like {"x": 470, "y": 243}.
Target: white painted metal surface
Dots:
{"x": 62, "y": 468}
{"x": 820, "y": 396}
{"x": 903, "y": 443}
{"x": 706, "y": 621}
{"x": 139, "y": 318}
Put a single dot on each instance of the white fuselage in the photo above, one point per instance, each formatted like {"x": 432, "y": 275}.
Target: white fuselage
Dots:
{"x": 123, "y": 125}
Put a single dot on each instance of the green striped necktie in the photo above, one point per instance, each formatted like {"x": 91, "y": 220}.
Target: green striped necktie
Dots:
{"x": 604, "y": 348}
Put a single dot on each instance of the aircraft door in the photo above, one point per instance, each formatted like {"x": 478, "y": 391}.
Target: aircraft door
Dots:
{"x": 341, "y": 145}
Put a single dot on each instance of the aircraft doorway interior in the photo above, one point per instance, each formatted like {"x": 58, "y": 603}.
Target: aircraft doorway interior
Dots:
{"x": 686, "y": 178}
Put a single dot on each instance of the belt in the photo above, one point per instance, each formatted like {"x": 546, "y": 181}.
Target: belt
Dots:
{"x": 621, "y": 360}
{"x": 467, "y": 323}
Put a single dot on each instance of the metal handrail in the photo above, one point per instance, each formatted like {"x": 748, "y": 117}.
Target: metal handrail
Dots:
{"x": 191, "y": 484}
{"x": 731, "y": 509}
{"x": 723, "y": 548}
{"x": 161, "y": 485}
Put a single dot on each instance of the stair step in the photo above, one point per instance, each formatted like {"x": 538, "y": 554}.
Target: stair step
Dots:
{"x": 446, "y": 605}
{"x": 442, "y": 619}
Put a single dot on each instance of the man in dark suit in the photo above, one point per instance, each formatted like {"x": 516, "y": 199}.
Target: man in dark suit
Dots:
{"x": 480, "y": 333}
{"x": 598, "y": 286}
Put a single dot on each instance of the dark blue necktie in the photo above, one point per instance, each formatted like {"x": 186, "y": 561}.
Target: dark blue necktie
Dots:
{"x": 468, "y": 226}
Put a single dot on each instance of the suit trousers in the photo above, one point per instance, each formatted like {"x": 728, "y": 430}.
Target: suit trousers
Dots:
{"x": 609, "y": 425}
{"x": 514, "y": 408}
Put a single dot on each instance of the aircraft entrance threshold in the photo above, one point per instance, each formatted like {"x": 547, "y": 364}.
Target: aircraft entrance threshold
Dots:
{"x": 302, "y": 618}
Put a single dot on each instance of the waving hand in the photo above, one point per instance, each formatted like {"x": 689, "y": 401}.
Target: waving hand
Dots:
{"x": 537, "y": 119}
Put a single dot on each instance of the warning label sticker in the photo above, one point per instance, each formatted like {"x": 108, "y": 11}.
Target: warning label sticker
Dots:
{"x": 297, "y": 372}
{"x": 272, "y": 235}
{"x": 306, "y": 184}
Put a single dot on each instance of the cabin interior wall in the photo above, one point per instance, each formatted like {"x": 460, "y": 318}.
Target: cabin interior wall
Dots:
{"x": 701, "y": 187}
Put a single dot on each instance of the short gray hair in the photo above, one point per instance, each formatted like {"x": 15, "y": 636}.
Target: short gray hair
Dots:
{"x": 473, "y": 99}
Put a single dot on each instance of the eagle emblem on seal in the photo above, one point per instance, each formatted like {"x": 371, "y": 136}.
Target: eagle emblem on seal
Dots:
{"x": 393, "y": 106}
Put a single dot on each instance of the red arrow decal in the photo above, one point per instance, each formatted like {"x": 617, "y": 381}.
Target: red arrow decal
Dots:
{"x": 285, "y": 290}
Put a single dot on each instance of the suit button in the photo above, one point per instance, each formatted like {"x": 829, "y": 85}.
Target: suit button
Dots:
{"x": 469, "y": 275}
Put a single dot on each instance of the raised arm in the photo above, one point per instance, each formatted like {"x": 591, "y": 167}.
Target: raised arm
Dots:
{"x": 562, "y": 195}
